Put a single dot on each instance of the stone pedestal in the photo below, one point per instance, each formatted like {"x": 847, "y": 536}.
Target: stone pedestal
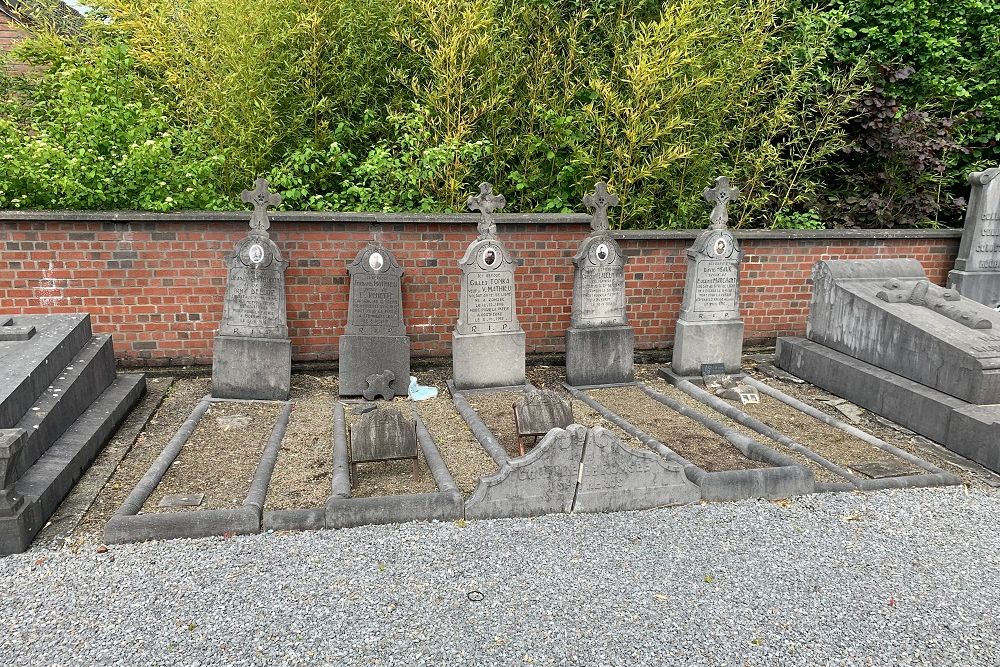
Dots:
{"x": 698, "y": 343}
{"x": 597, "y": 356}
{"x": 488, "y": 360}
{"x": 253, "y": 368}
{"x": 361, "y": 356}
{"x": 981, "y": 286}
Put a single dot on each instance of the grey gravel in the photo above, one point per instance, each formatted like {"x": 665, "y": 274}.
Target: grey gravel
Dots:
{"x": 885, "y": 578}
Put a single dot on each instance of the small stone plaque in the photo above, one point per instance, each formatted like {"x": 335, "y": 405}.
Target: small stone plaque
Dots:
{"x": 541, "y": 410}
{"x": 383, "y": 434}
{"x": 882, "y": 469}
{"x": 181, "y": 500}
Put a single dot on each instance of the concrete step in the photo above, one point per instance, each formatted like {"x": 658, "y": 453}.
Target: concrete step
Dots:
{"x": 28, "y": 367}
{"x": 47, "y": 482}
{"x": 90, "y": 372}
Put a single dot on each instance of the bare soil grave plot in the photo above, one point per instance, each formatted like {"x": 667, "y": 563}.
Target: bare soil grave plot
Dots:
{"x": 219, "y": 459}
{"x": 897, "y": 436}
{"x": 693, "y": 441}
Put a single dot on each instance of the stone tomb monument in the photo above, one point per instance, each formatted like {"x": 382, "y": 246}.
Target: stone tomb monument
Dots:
{"x": 488, "y": 342}
{"x": 252, "y": 358}
{"x": 375, "y": 347}
{"x": 383, "y": 434}
{"x": 977, "y": 269}
{"x": 883, "y": 337}
{"x": 710, "y": 330}
{"x": 599, "y": 343}
{"x": 60, "y": 402}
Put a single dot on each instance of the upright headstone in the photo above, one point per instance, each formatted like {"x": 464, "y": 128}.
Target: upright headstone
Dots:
{"x": 710, "y": 330}
{"x": 599, "y": 343}
{"x": 976, "y": 274}
{"x": 488, "y": 342}
{"x": 375, "y": 340}
{"x": 252, "y": 358}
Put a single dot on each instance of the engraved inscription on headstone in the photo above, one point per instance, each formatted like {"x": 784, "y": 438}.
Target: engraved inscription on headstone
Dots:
{"x": 977, "y": 269}
{"x": 375, "y": 304}
{"x": 599, "y": 283}
{"x": 487, "y": 299}
{"x": 980, "y": 247}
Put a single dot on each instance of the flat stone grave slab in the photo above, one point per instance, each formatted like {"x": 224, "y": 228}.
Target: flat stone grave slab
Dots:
{"x": 883, "y": 469}
{"x": 181, "y": 500}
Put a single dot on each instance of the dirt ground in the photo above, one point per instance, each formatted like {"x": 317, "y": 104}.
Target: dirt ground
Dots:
{"x": 302, "y": 474}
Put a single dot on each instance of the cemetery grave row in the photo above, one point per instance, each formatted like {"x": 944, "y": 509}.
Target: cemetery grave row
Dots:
{"x": 597, "y": 438}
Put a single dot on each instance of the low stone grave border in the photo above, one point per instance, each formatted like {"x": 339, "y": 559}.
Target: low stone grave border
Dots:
{"x": 127, "y": 525}
{"x": 785, "y": 479}
{"x": 344, "y": 511}
{"x": 933, "y": 475}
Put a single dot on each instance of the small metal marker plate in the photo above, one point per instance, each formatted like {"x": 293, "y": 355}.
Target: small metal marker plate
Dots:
{"x": 713, "y": 369}
{"x": 181, "y": 500}
{"x": 748, "y": 395}
{"x": 882, "y": 469}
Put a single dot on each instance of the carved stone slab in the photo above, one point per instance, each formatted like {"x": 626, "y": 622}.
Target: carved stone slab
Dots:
{"x": 977, "y": 268}
{"x": 384, "y": 434}
{"x": 375, "y": 304}
{"x": 922, "y": 333}
{"x": 541, "y": 410}
{"x": 599, "y": 283}
{"x": 582, "y": 470}
{"x": 487, "y": 301}
{"x": 254, "y": 304}
{"x": 712, "y": 290}
{"x": 543, "y": 481}
{"x": 616, "y": 478}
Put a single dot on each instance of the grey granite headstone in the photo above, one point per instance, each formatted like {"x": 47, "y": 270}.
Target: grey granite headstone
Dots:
{"x": 580, "y": 470}
{"x": 488, "y": 342}
{"x": 252, "y": 357}
{"x": 375, "y": 340}
{"x": 599, "y": 342}
{"x": 541, "y": 410}
{"x": 384, "y": 434}
{"x": 709, "y": 329}
{"x": 886, "y": 313}
{"x": 977, "y": 269}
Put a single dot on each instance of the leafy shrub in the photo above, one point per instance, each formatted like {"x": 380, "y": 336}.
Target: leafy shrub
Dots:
{"x": 78, "y": 132}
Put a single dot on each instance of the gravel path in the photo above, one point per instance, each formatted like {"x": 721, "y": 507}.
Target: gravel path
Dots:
{"x": 893, "y": 577}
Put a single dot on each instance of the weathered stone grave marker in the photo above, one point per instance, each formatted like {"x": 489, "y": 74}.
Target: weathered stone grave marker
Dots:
{"x": 375, "y": 348}
{"x": 252, "y": 358}
{"x": 383, "y": 434}
{"x": 488, "y": 342}
{"x": 599, "y": 342}
{"x": 580, "y": 470}
{"x": 977, "y": 269}
{"x": 539, "y": 411}
{"x": 709, "y": 329}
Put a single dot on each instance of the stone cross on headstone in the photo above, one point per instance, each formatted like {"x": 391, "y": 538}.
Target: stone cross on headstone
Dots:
{"x": 486, "y": 203}
{"x": 600, "y": 201}
{"x": 261, "y": 198}
{"x": 720, "y": 195}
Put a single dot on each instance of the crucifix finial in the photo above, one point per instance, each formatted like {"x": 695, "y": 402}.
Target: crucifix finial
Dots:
{"x": 486, "y": 202}
{"x": 261, "y": 198}
{"x": 720, "y": 196}
{"x": 600, "y": 200}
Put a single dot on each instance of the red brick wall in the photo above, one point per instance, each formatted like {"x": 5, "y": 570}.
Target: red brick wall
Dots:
{"x": 10, "y": 33}
{"x": 157, "y": 281}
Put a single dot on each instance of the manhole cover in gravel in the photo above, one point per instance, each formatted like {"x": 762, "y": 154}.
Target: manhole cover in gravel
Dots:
{"x": 181, "y": 500}
{"x": 882, "y": 469}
